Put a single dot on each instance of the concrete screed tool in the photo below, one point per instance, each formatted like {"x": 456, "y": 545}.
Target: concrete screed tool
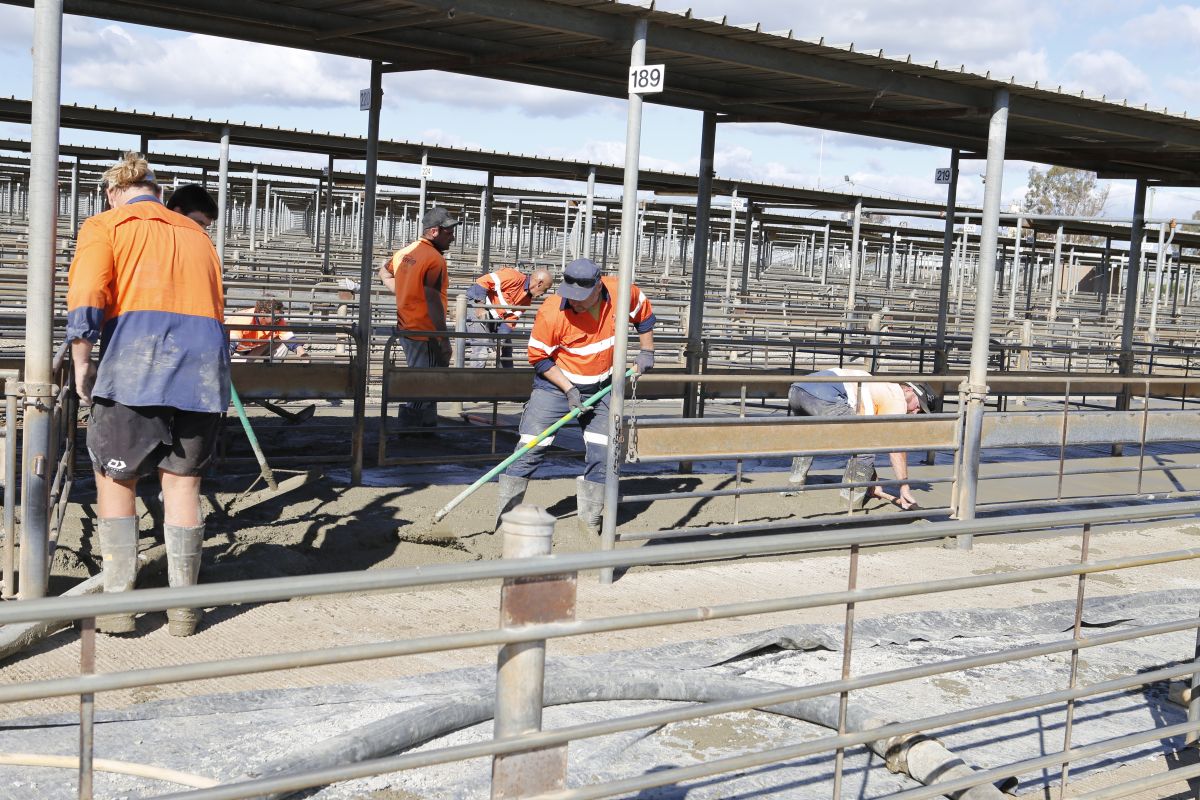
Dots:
{"x": 523, "y": 449}
{"x": 274, "y": 488}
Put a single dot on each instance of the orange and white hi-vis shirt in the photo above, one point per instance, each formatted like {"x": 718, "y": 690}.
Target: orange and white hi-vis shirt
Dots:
{"x": 409, "y": 267}
{"x": 579, "y": 344}
{"x": 506, "y": 287}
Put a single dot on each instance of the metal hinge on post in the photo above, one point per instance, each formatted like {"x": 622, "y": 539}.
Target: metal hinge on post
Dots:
{"x": 36, "y": 393}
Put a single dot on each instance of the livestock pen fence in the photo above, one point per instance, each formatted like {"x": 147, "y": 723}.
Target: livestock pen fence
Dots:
{"x": 537, "y": 603}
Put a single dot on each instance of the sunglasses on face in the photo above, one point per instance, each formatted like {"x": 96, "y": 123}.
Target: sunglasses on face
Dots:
{"x": 586, "y": 283}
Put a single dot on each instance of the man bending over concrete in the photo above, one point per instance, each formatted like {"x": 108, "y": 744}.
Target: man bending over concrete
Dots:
{"x": 853, "y": 399}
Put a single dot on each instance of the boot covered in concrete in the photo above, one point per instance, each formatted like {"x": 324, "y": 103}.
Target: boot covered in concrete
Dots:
{"x": 183, "y": 569}
{"x": 857, "y": 471}
{"x": 511, "y": 495}
{"x": 118, "y": 549}
{"x": 589, "y": 499}
{"x": 800, "y": 467}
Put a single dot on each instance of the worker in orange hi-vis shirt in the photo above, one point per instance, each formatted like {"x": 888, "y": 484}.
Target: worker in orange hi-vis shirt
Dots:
{"x": 146, "y": 283}
{"x": 417, "y": 276}
{"x": 507, "y": 287}
{"x": 571, "y": 350}
{"x": 260, "y": 343}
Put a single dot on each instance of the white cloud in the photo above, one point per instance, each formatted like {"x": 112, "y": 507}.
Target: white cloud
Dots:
{"x": 1179, "y": 25}
{"x": 467, "y": 92}
{"x": 978, "y": 33}
{"x": 1104, "y": 72}
{"x": 205, "y": 71}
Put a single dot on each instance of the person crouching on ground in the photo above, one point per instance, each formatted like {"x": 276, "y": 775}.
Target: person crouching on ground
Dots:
{"x": 853, "y": 399}
{"x": 571, "y": 350}
{"x": 146, "y": 283}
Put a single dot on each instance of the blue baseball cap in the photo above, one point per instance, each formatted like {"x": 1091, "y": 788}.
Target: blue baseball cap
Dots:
{"x": 579, "y": 279}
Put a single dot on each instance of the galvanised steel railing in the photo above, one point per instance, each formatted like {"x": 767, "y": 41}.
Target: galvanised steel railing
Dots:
{"x": 532, "y": 632}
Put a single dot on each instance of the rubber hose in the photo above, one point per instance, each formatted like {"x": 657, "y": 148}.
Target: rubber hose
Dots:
{"x": 924, "y": 760}
{"x": 109, "y": 765}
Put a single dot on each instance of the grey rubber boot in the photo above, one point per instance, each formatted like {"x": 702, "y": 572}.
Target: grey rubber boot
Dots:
{"x": 857, "y": 471}
{"x": 183, "y": 569}
{"x": 511, "y": 495}
{"x": 800, "y": 467}
{"x": 118, "y": 549}
{"x": 589, "y": 499}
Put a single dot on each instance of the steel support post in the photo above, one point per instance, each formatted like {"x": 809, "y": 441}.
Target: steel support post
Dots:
{"x": 1132, "y": 277}
{"x": 694, "y": 349}
{"x": 362, "y": 354}
{"x": 733, "y": 203}
{"x": 485, "y": 225}
{"x": 424, "y": 182}
{"x": 746, "y": 245}
{"x": 1056, "y": 275}
{"x": 855, "y": 259}
{"x": 325, "y": 268}
{"x": 223, "y": 195}
{"x": 1015, "y": 275}
{"x": 1160, "y": 259}
{"x": 825, "y": 255}
{"x": 38, "y": 388}
{"x": 254, "y": 208}
{"x": 629, "y": 210}
{"x": 588, "y": 211}
{"x": 75, "y": 198}
{"x": 521, "y": 667}
{"x": 940, "y": 354}
{"x": 975, "y": 388}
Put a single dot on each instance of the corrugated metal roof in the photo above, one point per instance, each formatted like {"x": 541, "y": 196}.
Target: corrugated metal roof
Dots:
{"x": 740, "y": 72}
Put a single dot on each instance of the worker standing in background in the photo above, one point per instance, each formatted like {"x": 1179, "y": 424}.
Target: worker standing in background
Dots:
{"x": 856, "y": 399}
{"x": 417, "y": 276}
{"x": 571, "y": 350}
{"x": 506, "y": 287}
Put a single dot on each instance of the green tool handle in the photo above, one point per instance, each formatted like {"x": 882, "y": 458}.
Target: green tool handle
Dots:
{"x": 264, "y": 469}
{"x": 523, "y": 449}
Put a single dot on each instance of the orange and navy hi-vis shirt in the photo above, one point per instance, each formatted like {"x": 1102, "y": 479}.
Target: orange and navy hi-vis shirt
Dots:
{"x": 409, "y": 267}
{"x": 146, "y": 282}
{"x": 506, "y": 287}
{"x": 579, "y": 344}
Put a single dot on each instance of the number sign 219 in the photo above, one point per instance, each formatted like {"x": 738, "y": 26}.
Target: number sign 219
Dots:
{"x": 646, "y": 79}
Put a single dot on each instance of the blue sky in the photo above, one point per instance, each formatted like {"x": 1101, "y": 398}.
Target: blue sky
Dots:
{"x": 1140, "y": 51}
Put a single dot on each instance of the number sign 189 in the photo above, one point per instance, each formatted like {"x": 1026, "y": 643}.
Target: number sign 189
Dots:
{"x": 646, "y": 79}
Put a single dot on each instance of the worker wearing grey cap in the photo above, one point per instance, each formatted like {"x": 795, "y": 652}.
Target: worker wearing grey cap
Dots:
{"x": 417, "y": 276}
{"x": 571, "y": 351}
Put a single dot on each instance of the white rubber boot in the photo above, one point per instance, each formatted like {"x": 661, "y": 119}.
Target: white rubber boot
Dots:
{"x": 118, "y": 549}
{"x": 589, "y": 499}
{"x": 800, "y": 467}
{"x": 857, "y": 471}
{"x": 512, "y": 494}
{"x": 183, "y": 569}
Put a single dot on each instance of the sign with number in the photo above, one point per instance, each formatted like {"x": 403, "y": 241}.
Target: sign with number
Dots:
{"x": 426, "y": 171}
{"x": 647, "y": 79}
{"x": 941, "y": 175}
{"x": 364, "y": 100}
{"x": 739, "y": 204}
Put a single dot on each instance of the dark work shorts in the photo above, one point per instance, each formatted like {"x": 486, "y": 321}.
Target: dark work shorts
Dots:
{"x": 127, "y": 442}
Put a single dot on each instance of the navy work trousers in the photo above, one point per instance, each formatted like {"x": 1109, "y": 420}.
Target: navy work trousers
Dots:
{"x": 547, "y": 406}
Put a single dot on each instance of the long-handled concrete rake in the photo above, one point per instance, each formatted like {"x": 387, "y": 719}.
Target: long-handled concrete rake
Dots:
{"x": 523, "y": 449}
{"x": 274, "y": 488}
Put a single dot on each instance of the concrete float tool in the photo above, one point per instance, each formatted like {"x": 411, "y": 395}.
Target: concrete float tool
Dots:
{"x": 274, "y": 488}
{"x": 523, "y": 449}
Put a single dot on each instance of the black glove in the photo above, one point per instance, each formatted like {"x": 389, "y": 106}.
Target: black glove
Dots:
{"x": 645, "y": 361}
{"x": 575, "y": 400}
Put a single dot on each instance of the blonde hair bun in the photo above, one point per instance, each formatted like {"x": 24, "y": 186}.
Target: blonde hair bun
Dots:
{"x": 132, "y": 170}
